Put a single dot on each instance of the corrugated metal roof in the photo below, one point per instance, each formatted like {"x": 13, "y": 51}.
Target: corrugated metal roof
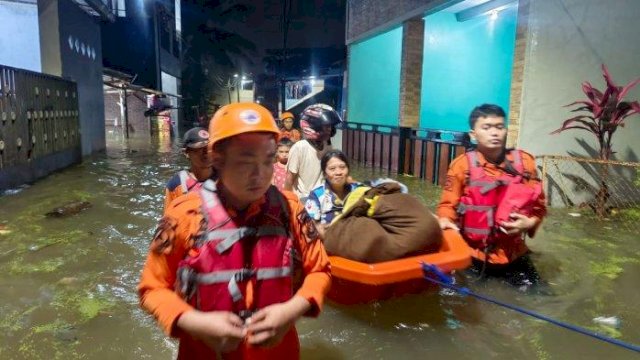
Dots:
{"x": 100, "y": 8}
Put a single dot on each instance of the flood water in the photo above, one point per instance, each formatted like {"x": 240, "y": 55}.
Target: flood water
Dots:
{"x": 68, "y": 285}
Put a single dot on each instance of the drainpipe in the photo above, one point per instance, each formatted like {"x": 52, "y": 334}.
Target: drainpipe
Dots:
{"x": 124, "y": 113}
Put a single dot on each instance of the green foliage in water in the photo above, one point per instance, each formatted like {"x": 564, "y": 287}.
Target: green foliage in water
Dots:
{"x": 536, "y": 342}
{"x": 18, "y": 266}
{"x": 608, "y": 270}
{"x": 25, "y": 256}
{"x": 86, "y": 305}
{"x": 612, "y": 267}
{"x": 51, "y": 327}
{"x": 631, "y": 214}
{"x": 12, "y": 321}
{"x": 82, "y": 195}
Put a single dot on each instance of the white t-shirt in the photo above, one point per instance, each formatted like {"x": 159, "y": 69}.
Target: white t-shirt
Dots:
{"x": 304, "y": 160}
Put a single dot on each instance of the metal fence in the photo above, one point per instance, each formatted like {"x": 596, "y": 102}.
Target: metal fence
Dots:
{"x": 422, "y": 153}
{"x": 608, "y": 190}
{"x": 38, "y": 118}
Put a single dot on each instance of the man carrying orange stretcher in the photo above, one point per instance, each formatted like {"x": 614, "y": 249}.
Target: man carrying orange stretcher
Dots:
{"x": 492, "y": 194}
{"x": 233, "y": 265}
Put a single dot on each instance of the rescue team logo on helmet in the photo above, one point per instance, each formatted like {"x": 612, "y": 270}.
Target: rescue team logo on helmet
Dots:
{"x": 250, "y": 117}
{"x": 203, "y": 134}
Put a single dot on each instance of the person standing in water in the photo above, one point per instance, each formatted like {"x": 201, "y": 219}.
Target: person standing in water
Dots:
{"x": 493, "y": 196}
{"x": 319, "y": 123}
{"x": 194, "y": 148}
{"x": 234, "y": 265}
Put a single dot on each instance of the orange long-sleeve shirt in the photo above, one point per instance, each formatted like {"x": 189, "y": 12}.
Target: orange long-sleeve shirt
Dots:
{"x": 182, "y": 222}
{"x": 293, "y": 134}
{"x": 454, "y": 188}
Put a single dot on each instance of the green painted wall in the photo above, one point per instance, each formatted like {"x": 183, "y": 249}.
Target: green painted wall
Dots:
{"x": 374, "y": 79}
{"x": 465, "y": 64}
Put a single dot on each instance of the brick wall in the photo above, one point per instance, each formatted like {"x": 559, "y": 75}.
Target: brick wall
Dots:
{"x": 411, "y": 72}
{"x": 136, "y": 106}
{"x": 517, "y": 74}
{"x": 366, "y": 17}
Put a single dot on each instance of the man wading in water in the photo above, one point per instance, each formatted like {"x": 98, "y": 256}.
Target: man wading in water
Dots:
{"x": 494, "y": 197}
{"x": 234, "y": 265}
{"x": 319, "y": 123}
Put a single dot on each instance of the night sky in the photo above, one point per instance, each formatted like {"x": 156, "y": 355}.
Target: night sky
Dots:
{"x": 313, "y": 24}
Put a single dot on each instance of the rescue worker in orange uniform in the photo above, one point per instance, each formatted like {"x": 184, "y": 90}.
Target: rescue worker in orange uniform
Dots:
{"x": 287, "y": 130}
{"x": 486, "y": 181}
{"x": 233, "y": 266}
{"x": 194, "y": 148}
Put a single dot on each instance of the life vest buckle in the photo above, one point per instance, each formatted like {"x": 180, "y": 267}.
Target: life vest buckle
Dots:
{"x": 186, "y": 282}
{"x": 244, "y": 274}
{"x": 245, "y": 314}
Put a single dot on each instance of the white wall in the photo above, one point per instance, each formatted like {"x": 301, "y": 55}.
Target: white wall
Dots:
{"x": 568, "y": 40}
{"x": 170, "y": 86}
{"x": 19, "y": 36}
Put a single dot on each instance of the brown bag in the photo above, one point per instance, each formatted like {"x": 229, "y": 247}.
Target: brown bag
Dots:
{"x": 400, "y": 226}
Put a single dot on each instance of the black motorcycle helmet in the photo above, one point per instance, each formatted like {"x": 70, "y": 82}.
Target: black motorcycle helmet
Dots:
{"x": 318, "y": 115}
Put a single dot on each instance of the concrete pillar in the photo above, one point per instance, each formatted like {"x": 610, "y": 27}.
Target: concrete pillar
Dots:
{"x": 49, "y": 23}
{"x": 517, "y": 74}
{"x": 411, "y": 72}
{"x": 124, "y": 112}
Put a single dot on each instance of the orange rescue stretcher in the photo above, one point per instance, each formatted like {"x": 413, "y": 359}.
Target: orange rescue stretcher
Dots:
{"x": 355, "y": 282}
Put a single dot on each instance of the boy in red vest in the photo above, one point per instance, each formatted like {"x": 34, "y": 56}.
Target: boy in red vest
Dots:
{"x": 233, "y": 266}
{"x": 492, "y": 194}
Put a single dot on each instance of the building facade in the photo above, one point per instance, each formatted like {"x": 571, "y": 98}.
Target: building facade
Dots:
{"x": 51, "y": 106}
{"x": 426, "y": 63}
{"x": 143, "y": 44}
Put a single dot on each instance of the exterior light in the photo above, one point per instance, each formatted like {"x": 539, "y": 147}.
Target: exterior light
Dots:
{"x": 235, "y": 75}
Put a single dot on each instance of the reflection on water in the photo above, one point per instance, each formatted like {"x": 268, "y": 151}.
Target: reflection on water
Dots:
{"x": 69, "y": 284}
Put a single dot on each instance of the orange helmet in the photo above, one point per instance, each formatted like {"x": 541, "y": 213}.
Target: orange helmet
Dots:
{"x": 286, "y": 115}
{"x": 239, "y": 118}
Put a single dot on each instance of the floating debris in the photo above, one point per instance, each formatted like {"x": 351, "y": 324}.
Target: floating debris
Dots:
{"x": 574, "y": 214}
{"x": 612, "y": 321}
{"x": 69, "y": 209}
{"x": 68, "y": 280}
{"x": 4, "y": 230}
{"x": 9, "y": 192}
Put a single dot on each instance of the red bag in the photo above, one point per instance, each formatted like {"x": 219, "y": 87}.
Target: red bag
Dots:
{"x": 518, "y": 198}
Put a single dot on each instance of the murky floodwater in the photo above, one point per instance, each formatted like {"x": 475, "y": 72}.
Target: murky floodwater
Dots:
{"x": 68, "y": 285}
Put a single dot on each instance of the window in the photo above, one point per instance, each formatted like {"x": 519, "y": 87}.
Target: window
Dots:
{"x": 119, "y": 8}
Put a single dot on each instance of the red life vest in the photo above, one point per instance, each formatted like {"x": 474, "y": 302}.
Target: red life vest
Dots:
{"x": 489, "y": 201}
{"x": 187, "y": 182}
{"x": 227, "y": 257}
{"x": 240, "y": 269}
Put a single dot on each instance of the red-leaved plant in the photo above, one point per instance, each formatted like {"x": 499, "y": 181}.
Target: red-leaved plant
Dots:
{"x": 603, "y": 113}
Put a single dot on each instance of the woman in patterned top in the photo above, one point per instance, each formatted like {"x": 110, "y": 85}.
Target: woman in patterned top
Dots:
{"x": 327, "y": 201}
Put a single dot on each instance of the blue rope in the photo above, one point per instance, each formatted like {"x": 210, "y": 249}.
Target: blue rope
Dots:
{"x": 446, "y": 281}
